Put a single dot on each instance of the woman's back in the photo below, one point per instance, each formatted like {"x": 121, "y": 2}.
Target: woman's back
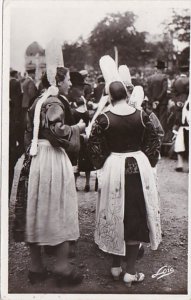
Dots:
{"x": 123, "y": 132}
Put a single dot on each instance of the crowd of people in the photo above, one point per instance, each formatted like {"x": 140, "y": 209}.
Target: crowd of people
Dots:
{"x": 117, "y": 127}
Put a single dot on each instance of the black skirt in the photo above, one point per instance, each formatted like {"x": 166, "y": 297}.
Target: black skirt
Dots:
{"x": 135, "y": 223}
{"x": 84, "y": 162}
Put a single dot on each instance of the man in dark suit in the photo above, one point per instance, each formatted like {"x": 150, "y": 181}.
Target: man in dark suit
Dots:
{"x": 99, "y": 89}
{"x": 16, "y": 145}
{"x": 180, "y": 92}
{"x": 30, "y": 92}
{"x": 157, "y": 86}
{"x": 180, "y": 86}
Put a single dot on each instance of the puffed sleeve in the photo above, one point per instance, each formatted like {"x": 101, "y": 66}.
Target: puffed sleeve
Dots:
{"x": 56, "y": 131}
{"x": 55, "y": 117}
{"x": 97, "y": 144}
{"x": 151, "y": 142}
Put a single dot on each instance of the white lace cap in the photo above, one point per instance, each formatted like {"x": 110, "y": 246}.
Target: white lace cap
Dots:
{"x": 109, "y": 71}
{"x": 137, "y": 97}
{"x": 125, "y": 75}
{"x": 54, "y": 59}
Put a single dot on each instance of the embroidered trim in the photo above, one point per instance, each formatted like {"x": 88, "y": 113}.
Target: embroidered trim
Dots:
{"x": 107, "y": 120}
{"x": 141, "y": 113}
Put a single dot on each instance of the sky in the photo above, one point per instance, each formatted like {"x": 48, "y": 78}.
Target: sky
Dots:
{"x": 42, "y": 20}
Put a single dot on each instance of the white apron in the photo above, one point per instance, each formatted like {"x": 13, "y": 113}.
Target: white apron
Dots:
{"x": 52, "y": 205}
{"x": 109, "y": 233}
{"x": 179, "y": 145}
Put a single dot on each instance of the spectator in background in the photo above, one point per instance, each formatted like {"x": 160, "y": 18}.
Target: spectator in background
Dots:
{"x": 180, "y": 92}
{"x": 81, "y": 113}
{"x": 157, "y": 86}
{"x": 16, "y": 133}
{"x": 87, "y": 86}
{"x": 30, "y": 92}
{"x": 98, "y": 90}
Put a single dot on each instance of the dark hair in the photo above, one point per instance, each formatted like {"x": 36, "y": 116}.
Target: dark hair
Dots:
{"x": 45, "y": 81}
{"x": 13, "y": 73}
{"x": 32, "y": 71}
{"x": 60, "y": 76}
{"x": 117, "y": 91}
{"x": 100, "y": 79}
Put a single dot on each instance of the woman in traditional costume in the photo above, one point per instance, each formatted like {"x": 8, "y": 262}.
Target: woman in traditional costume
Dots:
{"x": 124, "y": 147}
{"x": 50, "y": 210}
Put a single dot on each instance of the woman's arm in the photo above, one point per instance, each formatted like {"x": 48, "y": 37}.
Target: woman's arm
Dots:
{"x": 151, "y": 141}
{"x": 97, "y": 145}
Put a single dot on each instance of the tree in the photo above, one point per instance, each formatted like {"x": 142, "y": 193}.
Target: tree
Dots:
{"x": 117, "y": 30}
{"x": 76, "y": 54}
{"x": 180, "y": 25}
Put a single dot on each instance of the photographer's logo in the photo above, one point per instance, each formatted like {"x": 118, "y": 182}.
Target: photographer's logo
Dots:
{"x": 164, "y": 271}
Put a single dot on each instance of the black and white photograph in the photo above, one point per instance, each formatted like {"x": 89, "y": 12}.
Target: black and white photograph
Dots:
{"x": 95, "y": 150}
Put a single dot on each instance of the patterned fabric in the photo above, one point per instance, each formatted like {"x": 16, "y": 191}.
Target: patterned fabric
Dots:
{"x": 102, "y": 140}
{"x": 97, "y": 145}
{"x": 131, "y": 166}
{"x": 151, "y": 142}
{"x": 21, "y": 200}
{"x": 109, "y": 233}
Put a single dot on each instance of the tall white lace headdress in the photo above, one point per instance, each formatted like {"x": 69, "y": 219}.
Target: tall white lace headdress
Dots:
{"x": 137, "y": 97}
{"x": 125, "y": 75}
{"x": 109, "y": 71}
{"x": 54, "y": 59}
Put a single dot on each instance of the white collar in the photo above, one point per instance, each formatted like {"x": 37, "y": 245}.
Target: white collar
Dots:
{"x": 122, "y": 109}
{"x": 183, "y": 75}
{"x": 30, "y": 78}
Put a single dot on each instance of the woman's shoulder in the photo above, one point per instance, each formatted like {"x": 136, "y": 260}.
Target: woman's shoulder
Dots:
{"x": 52, "y": 101}
{"x": 103, "y": 120}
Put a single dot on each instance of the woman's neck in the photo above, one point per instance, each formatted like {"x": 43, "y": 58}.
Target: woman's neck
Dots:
{"x": 122, "y": 108}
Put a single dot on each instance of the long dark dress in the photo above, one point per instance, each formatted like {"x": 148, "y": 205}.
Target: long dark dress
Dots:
{"x": 128, "y": 133}
{"x": 84, "y": 162}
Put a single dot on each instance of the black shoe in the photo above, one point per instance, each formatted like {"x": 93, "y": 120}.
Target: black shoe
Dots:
{"x": 179, "y": 169}
{"x": 87, "y": 188}
{"x": 73, "y": 278}
{"x": 35, "y": 277}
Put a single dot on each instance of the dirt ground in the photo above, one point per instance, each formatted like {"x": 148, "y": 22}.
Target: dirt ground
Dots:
{"x": 95, "y": 265}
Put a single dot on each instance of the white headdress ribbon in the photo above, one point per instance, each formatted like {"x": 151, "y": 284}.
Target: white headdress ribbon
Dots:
{"x": 54, "y": 59}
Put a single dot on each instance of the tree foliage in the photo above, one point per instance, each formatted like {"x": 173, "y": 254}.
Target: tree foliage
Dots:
{"x": 76, "y": 55}
{"x": 117, "y": 30}
{"x": 180, "y": 26}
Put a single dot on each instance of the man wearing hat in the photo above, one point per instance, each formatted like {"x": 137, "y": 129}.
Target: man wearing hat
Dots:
{"x": 30, "y": 91}
{"x": 157, "y": 93}
{"x": 180, "y": 92}
{"x": 81, "y": 112}
{"x": 87, "y": 86}
{"x": 180, "y": 87}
